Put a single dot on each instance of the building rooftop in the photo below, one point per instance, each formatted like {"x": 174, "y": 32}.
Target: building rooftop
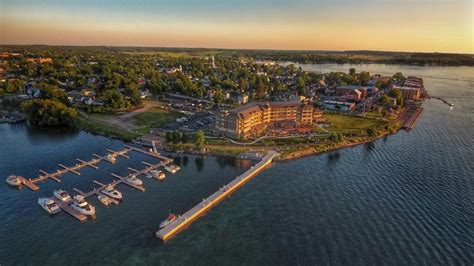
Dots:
{"x": 248, "y": 109}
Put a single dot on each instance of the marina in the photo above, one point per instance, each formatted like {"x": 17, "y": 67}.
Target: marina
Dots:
{"x": 130, "y": 180}
{"x": 194, "y": 213}
{"x": 31, "y": 182}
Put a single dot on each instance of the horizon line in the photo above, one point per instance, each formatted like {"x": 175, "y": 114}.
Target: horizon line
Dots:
{"x": 247, "y": 49}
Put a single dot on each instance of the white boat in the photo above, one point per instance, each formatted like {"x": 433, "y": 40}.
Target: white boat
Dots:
{"x": 82, "y": 206}
{"x": 49, "y": 205}
{"x": 156, "y": 174}
{"x": 62, "y": 195}
{"x": 111, "y": 158}
{"x": 171, "y": 217}
{"x": 112, "y": 192}
{"x": 172, "y": 168}
{"x": 133, "y": 180}
{"x": 104, "y": 200}
{"x": 13, "y": 180}
{"x": 160, "y": 175}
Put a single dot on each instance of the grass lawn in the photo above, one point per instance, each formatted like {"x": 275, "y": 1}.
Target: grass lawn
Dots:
{"x": 155, "y": 117}
{"x": 96, "y": 127}
{"x": 351, "y": 124}
{"x": 374, "y": 114}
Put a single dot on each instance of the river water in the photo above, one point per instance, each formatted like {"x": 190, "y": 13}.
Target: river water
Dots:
{"x": 404, "y": 199}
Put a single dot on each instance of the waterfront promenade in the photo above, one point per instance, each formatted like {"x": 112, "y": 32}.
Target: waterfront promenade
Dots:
{"x": 188, "y": 217}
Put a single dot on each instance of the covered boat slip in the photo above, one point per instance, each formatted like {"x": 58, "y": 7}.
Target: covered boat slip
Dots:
{"x": 188, "y": 217}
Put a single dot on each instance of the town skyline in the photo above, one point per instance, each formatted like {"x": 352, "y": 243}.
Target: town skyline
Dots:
{"x": 437, "y": 26}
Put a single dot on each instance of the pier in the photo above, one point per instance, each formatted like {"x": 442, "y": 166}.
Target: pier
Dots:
{"x": 411, "y": 116}
{"x": 63, "y": 169}
{"x": 443, "y": 100}
{"x": 188, "y": 217}
{"x": 96, "y": 159}
{"x": 66, "y": 206}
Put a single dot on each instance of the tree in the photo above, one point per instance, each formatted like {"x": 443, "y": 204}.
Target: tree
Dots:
{"x": 243, "y": 84}
{"x": 49, "y": 113}
{"x": 371, "y": 132}
{"x": 52, "y": 92}
{"x": 177, "y": 137}
{"x": 185, "y": 138}
{"x": 398, "y": 76}
{"x": 279, "y": 87}
{"x": 218, "y": 96}
{"x": 364, "y": 77}
{"x": 352, "y": 71}
{"x": 132, "y": 91}
{"x": 385, "y": 99}
{"x": 113, "y": 99}
{"x": 340, "y": 137}
{"x": 336, "y": 137}
{"x": 200, "y": 138}
{"x": 169, "y": 136}
{"x": 14, "y": 85}
{"x": 397, "y": 94}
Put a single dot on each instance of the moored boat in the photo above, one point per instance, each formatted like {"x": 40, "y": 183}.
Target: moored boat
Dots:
{"x": 160, "y": 176}
{"x": 62, "y": 195}
{"x": 172, "y": 168}
{"x": 82, "y": 206}
{"x": 171, "y": 217}
{"x": 112, "y": 192}
{"x": 157, "y": 174}
{"x": 14, "y": 180}
{"x": 111, "y": 158}
{"x": 133, "y": 180}
{"x": 49, "y": 205}
{"x": 104, "y": 200}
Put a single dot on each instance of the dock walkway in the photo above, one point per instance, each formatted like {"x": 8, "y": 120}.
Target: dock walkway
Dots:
{"x": 188, "y": 217}
{"x": 66, "y": 206}
{"x": 63, "y": 169}
{"x": 121, "y": 180}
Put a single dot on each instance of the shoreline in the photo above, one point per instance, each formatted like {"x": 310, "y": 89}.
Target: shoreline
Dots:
{"x": 310, "y": 151}
{"x": 345, "y": 145}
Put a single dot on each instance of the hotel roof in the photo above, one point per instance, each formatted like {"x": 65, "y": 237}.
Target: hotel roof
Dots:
{"x": 248, "y": 109}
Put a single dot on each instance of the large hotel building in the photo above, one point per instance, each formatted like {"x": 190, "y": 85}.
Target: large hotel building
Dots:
{"x": 252, "y": 120}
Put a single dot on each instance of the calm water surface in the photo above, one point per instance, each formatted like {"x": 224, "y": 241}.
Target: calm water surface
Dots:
{"x": 405, "y": 199}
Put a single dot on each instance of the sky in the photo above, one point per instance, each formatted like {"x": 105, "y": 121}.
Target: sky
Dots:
{"x": 388, "y": 25}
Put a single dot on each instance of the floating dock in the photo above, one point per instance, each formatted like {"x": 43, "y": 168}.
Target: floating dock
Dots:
{"x": 188, "y": 217}
{"x": 66, "y": 206}
{"x": 63, "y": 169}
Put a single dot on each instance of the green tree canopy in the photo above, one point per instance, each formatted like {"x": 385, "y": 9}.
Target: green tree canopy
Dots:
{"x": 49, "y": 113}
{"x": 200, "y": 138}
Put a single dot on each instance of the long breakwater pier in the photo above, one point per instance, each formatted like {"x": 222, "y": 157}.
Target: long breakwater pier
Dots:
{"x": 201, "y": 208}
{"x": 31, "y": 183}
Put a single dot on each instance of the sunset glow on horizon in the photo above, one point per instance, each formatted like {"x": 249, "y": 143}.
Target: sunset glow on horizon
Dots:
{"x": 389, "y": 25}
